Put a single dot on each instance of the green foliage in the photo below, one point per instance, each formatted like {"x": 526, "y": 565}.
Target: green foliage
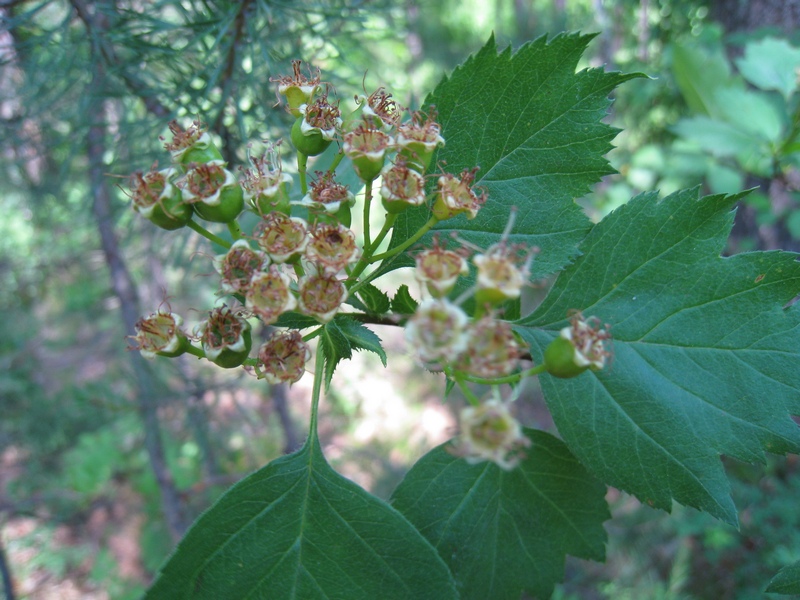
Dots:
{"x": 527, "y": 519}
{"x": 747, "y": 121}
{"x": 297, "y": 529}
{"x": 682, "y": 316}
{"x": 704, "y": 352}
{"x": 534, "y": 128}
{"x": 787, "y": 581}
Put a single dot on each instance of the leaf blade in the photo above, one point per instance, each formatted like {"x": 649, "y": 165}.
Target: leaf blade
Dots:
{"x": 703, "y": 352}
{"x": 502, "y": 532}
{"x": 510, "y": 114}
{"x": 265, "y": 539}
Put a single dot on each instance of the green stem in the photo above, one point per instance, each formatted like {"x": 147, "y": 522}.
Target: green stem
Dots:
{"x": 319, "y": 366}
{"x": 195, "y": 351}
{"x": 236, "y": 231}
{"x": 302, "y": 164}
{"x": 310, "y": 336}
{"x": 208, "y": 235}
{"x": 516, "y": 377}
{"x": 365, "y": 261}
{"x": 336, "y": 160}
{"x": 367, "y": 205}
{"x": 408, "y": 243}
{"x": 471, "y": 398}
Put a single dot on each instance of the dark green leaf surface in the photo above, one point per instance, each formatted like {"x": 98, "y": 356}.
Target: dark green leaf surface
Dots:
{"x": 403, "y": 303}
{"x": 705, "y": 355}
{"x": 533, "y": 126}
{"x": 343, "y": 335}
{"x": 502, "y": 532}
{"x": 298, "y": 530}
{"x": 787, "y": 581}
{"x": 360, "y": 337}
{"x": 376, "y": 300}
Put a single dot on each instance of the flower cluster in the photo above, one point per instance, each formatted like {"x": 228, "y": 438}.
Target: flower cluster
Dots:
{"x": 303, "y": 257}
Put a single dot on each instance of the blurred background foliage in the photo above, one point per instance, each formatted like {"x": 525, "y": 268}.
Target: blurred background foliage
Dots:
{"x": 104, "y": 460}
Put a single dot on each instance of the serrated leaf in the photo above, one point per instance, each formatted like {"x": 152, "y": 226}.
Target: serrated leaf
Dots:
{"x": 376, "y": 300}
{"x": 335, "y": 347}
{"x": 771, "y": 64}
{"x": 296, "y": 529}
{"x": 786, "y": 581}
{"x": 505, "y": 532}
{"x": 360, "y": 337}
{"x": 296, "y": 320}
{"x": 343, "y": 335}
{"x": 403, "y": 303}
{"x": 534, "y": 127}
{"x": 705, "y": 355}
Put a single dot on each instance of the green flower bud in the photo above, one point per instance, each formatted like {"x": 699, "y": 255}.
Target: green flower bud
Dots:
{"x": 297, "y": 88}
{"x": 158, "y": 199}
{"x": 191, "y": 145}
{"x": 225, "y": 337}
{"x": 579, "y": 347}
{"x": 160, "y": 335}
{"x": 214, "y": 193}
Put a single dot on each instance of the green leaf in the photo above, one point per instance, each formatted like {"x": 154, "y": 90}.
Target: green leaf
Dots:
{"x": 787, "y": 580}
{"x": 335, "y": 347}
{"x": 376, "y": 300}
{"x": 705, "y": 355}
{"x": 753, "y": 112}
{"x": 722, "y": 139}
{"x": 360, "y": 337}
{"x": 403, "y": 303}
{"x": 295, "y": 320}
{"x": 343, "y": 335}
{"x": 505, "y": 532}
{"x": 534, "y": 127}
{"x": 297, "y": 529}
{"x": 717, "y": 137}
{"x": 700, "y": 73}
{"x": 771, "y": 64}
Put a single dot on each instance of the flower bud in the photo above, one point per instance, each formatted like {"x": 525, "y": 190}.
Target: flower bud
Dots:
{"x": 282, "y": 238}
{"x": 332, "y": 247}
{"x": 455, "y": 196}
{"x": 238, "y": 266}
{"x": 439, "y": 269}
{"x": 191, "y": 145}
{"x": 366, "y": 147}
{"x": 225, "y": 337}
{"x": 269, "y": 295}
{"x": 265, "y": 186}
{"x": 297, "y": 88}
{"x": 490, "y": 433}
{"x": 401, "y": 187}
{"x": 160, "y": 335}
{"x": 158, "y": 199}
{"x": 283, "y": 357}
{"x": 213, "y": 192}
{"x": 437, "y": 331}
{"x": 321, "y": 296}
{"x": 579, "y": 347}
{"x": 327, "y": 197}
{"x": 418, "y": 139}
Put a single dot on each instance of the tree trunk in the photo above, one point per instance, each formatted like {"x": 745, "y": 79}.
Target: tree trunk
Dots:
{"x": 748, "y": 15}
{"x": 122, "y": 282}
